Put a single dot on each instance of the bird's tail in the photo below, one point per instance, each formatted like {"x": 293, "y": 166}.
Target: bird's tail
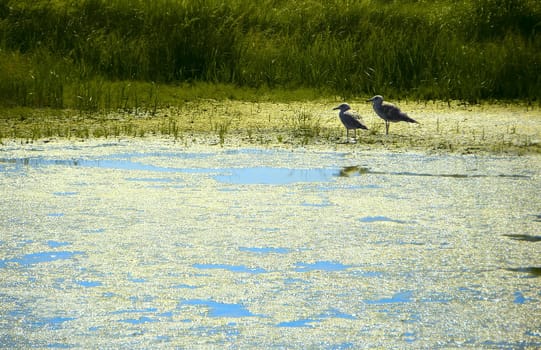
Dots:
{"x": 410, "y": 120}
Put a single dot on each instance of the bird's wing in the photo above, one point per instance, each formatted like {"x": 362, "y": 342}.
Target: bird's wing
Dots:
{"x": 393, "y": 113}
{"x": 353, "y": 114}
{"x": 358, "y": 121}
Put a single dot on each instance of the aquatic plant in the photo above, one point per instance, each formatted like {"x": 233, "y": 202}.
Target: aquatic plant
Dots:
{"x": 222, "y": 129}
{"x": 304, "y": 124}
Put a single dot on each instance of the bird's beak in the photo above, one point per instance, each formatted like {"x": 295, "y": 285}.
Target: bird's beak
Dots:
{"x": 335, "y": 108}
{"x": 370, "y": 100}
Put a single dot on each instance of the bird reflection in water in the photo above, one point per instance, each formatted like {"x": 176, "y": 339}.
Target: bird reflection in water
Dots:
{"x": 355, "y": 170}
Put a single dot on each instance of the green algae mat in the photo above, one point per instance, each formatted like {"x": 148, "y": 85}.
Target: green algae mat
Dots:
{"x": 149, "y": 244}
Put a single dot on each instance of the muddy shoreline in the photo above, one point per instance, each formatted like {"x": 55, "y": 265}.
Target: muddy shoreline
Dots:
{"x": 480, "y": 129}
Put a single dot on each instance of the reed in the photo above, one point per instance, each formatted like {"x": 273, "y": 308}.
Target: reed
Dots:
{"x": 80, "y": 54}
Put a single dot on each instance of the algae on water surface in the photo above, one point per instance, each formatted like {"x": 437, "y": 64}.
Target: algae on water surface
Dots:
{"x": 149, "y": 244}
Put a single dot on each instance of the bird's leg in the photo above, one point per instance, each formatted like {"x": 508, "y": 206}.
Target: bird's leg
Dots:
{"x": 386, "y": 128}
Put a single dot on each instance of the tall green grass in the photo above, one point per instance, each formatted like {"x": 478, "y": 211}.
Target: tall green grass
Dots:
{"x": 82, "y": 54}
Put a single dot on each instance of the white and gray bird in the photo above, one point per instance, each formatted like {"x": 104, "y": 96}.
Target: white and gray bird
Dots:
{"x": 389, "y": 112}
{"x": 350, "y": 119}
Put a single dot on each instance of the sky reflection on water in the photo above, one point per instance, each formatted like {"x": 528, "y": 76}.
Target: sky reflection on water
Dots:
{"x": 268, "y": 248}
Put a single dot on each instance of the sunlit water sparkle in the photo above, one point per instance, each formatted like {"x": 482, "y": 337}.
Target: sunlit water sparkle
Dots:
{"x": 164, "y": 248}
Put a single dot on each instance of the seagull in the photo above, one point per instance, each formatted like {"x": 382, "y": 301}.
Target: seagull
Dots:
{"x": 389, "y": 112}
{"x": 350, "y": 119}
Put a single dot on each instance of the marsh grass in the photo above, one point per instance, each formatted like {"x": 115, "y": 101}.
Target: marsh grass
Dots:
{"x": 98, "y": 95}
{"x": 493, "y": 128}
{"x": 85, "y": 54}
{"x": 304, "y": 124}
{"x": 221, "y": 128}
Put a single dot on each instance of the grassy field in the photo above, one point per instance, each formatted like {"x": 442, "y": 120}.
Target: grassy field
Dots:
{"x": 66, "y": 54}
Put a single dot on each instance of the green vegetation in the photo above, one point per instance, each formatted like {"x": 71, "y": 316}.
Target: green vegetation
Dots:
{"x": 110, "y": 55}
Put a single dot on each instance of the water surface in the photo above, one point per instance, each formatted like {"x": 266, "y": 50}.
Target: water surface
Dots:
{"x": 153, "y": 246}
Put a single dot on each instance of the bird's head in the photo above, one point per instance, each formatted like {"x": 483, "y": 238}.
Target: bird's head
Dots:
{"x": 343, "y": 107}
{"x": 376, "y": 99}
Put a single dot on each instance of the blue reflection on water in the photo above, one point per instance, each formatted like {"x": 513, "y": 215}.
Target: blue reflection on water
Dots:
{"x": 401, "y": 297}
{"x": 321, "y": 266}
{"x": 521, "y": 299}
{"x": 232, "y": 268}
{"x": 123, "y": 162}
{"x": 265, "y": 250}
{"x": 40, "y": 257}
{"x": 136, "y": 279}
{"x": 217, "y": 309}
{"x": 249, "y": 175}
{"x": 96, "y": 230}
{"x": 295, "y": 281}
{"x": 52, "y": 322}
{"x": 305, "y": 322}
{"x": 335, "y": 313}
{"x": 324, "y": 203}
{"x": 59, "y": 346}
{"x": 184, "y": 286}
{"x": 135, "y": 311}
{"x": 409, "y": 337}
{"x": 371, "y": 219}
{"x": 140, "y": 320}
{"x": 274, "y": 176}
{"x": 68, "y": 193}
{"x": 308, "y": 322}
{"x": 346, "y": 345}
{"x": 55, "y": 244}
{"x": 89, "y": 284}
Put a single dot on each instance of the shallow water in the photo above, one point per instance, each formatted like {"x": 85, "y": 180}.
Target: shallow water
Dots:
{"x": 136, "y": 245}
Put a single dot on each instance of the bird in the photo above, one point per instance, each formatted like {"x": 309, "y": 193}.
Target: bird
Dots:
{"x": 350, "y": 119}
{"x": 389, "y": 112}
